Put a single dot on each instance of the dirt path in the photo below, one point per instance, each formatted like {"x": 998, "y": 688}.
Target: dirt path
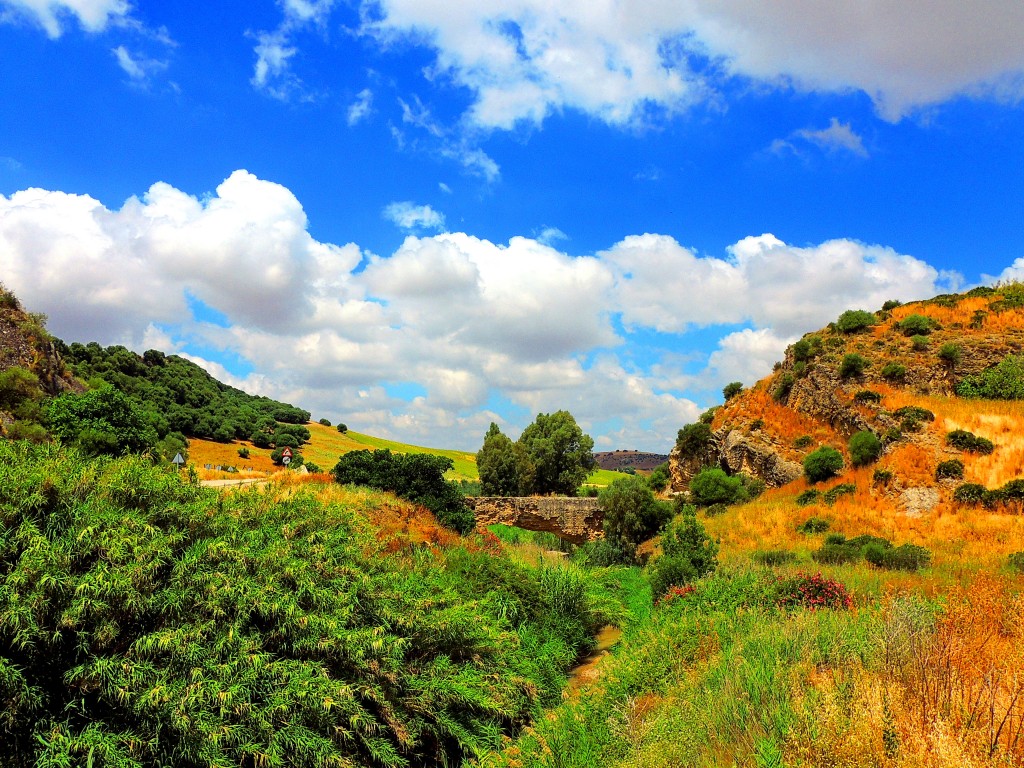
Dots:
{"x": 229, "y": 483}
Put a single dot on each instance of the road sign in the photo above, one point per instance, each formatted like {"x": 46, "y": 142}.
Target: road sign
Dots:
{"x": 286, "y": 460}
{"x": 177, "y": 460}
{"x": 286, "y": 453}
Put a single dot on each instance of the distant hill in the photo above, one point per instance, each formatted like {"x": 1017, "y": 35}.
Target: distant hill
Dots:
{"x": 908, "y": 374}
{"x": 619, "y": 460}
{"x": 180, "y": 396}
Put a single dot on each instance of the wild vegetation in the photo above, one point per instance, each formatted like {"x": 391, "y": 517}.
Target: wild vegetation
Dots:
{"x": 145, "y": 621}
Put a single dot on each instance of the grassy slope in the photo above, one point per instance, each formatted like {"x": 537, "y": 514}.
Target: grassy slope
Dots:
{"x": 327, "y": 444}
{"x": 923, "y": 671}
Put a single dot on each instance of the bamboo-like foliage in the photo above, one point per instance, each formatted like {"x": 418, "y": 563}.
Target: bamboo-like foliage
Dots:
{"x": 147, "y": 622}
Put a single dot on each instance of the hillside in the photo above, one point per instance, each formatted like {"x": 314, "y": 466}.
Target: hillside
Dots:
{"x": 326, "y": 444}
{"x": 622, "y": 459}
{"x": 897, "y": 378}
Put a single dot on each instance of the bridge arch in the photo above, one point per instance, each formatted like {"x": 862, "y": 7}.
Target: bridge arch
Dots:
{"x": 573, "y": 519}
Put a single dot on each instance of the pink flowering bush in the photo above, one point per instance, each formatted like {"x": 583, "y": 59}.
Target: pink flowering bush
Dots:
{"x": 676, "y": 592}
{"x": 812, "y": 591}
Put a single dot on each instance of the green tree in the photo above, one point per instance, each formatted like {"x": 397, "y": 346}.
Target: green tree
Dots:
{"x": 659, "y": 478}
{"x": 822, "y": 464}
{"x": 732, "y": 389}
{"x": 100, "y": 421}
{"x": 693, "y": 439}
{"x": 562, "y": 455}
{"x": 631, "y": 513}
{"x": 505, "y": 468}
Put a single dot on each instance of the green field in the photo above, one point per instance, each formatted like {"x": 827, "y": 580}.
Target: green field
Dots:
{"x": 327, "y": 444}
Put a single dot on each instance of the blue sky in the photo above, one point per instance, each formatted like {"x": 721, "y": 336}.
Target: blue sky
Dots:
{"x": 420, "y": 217}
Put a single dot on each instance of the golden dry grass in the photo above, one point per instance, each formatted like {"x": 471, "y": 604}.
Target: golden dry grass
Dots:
{"x": 325, "y": 446}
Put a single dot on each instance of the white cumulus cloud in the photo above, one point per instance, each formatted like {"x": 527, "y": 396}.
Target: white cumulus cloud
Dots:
{"x": 458, "y": 321}
{"x": 407, "y": 215}
{"x": 527, "y": 59}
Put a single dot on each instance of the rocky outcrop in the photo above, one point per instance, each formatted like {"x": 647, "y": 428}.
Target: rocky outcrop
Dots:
{"x": 574, "y": 519}
{"x": 734, "y": 451}
{"x": 25, "y": 343}
{"x": 740, "y": 453}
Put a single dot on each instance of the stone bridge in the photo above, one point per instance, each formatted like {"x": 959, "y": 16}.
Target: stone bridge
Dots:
{"x": 574, "y": 519}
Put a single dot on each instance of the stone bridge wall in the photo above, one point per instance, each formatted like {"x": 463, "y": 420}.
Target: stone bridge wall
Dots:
{"x": 573, "y": 519}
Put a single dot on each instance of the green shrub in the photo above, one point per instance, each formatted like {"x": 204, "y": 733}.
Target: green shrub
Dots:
{"x": 713, "y": 486}
{"x": 835, "y": 538}
{"x": 1013, "y": 490}
{"x": 950, "y": 354}
{"x": 688, "y": 553}
{"x": 804, "y": 441}
{"x": 418, "y": 477}
{"x": 919, "y": 343}
{"x": 854, "y": 320}
{"x": 243, "y": 452}
{"x": 822, "y": 464}
{"x": 968, "y": 441}
{"x": 969, "y": 493}
{"x": 667, "y": 572}
{"x": 978, "y": 318}
{"x": 709, "y": 415}
{"x": 917, "y": 325}
{"x": 843, "y": 489}
{"x": 752, "y": 486}
{"x": 325, "y": 422}
{"x": 906, "y": 557}
{"x": 813, "y": 525}
{"x": 774, "y": 557}
{"x": 808, "y": 497}
{"x": 814, "y": 592}
{"x": 836, "y": 554}
{"x": 601, "y": 553}
{"x": 853, "y": 365}
{"x": 993, "y": 497}
{"x": 865, "y": 539}
{"x": 914, "y": 412}
{"x": 732, "y": 389}
{"x": 802, "y": 351}
{"x": 1003, "y": 381}
{"x": 894, "y": 371}
{"x": 865, "y": 448}
{"x": 784, "y": 386}
{"x": 867, "y": 396}
{"x": 950, "y": 470}
{"x": 756, "y": 424}
{"x": 342, "y": 428}
{"x": 891, "y": 304}
{"x": 882, "y": 476}
{"x": 1016, "y": 561}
